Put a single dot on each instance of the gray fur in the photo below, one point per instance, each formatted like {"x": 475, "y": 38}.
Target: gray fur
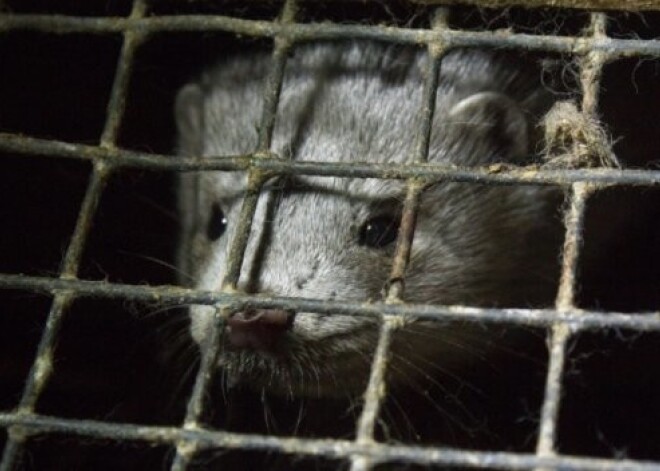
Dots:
{"x": 360, "y": 101}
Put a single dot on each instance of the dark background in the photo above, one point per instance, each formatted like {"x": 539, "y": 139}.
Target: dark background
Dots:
{"x": 128, "y": 362}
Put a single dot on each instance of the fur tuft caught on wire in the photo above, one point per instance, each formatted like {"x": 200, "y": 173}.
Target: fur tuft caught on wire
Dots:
{"x": 575, "y": 140}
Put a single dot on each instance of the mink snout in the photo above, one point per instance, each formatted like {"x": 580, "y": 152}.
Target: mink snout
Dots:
{"x": 258, "y": 329}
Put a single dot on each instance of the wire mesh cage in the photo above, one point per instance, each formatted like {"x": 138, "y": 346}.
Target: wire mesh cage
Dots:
{"x": 87, "y": 94}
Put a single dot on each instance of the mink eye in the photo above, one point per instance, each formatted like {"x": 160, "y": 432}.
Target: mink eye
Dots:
{"x": 379, "y": 232}
{"x": 217, "y": 223}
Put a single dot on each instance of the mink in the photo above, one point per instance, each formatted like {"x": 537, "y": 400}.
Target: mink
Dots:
{"x": 333, "y": 238}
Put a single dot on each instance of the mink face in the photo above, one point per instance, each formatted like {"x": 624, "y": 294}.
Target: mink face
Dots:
{"x": 333, "y": 238}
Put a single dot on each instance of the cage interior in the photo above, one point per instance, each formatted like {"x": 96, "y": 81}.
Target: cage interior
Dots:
{"x": 97, "y": 367}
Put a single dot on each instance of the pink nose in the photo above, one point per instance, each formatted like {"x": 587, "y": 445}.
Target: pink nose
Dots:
{"x": 258, "y": 329}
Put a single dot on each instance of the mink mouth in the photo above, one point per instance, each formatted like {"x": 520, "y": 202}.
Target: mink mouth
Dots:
{"x": 277, "y": 331}
{"x": 259, "y": 351}
{"x": 259, "y": 329}
{"x": 301, "y": 342}
{"x": 290, "y": 344}
{"x": 296, "y": 371}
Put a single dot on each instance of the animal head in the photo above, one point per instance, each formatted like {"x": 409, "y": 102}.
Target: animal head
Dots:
{"x": 333, "y": 238}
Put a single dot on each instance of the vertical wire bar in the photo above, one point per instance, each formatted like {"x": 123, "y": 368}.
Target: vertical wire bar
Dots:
{"x": 374, "y": 394}
{"x": 13, "y": 449}
{"x": 186, "y": 450}
{"x": 591, "y": 67}
{"x": 42, "y": 367}
{"x": 377, "y": 387}
{"x": 561, "y": 332}
{"x": 274, "y": 80}
{"x": 117, "y": 103}
{"x": 211, "y": 347}
{"x": 195, "y": 407}
{"x": 242, "y": 235}
{"x": 590, "y": 73}
{"x": 273, "y": 88}
{"x": 396, "y": 284}
{"x": 574, "y": 223}
{"x": 435, "y": 53}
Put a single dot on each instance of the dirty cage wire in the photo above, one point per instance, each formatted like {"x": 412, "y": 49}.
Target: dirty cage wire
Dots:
{"x": 594, "y": 49}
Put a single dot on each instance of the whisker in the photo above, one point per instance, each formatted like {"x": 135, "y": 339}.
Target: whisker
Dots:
{"x": 157, "y": 261}
{"x": 438, "y": 408}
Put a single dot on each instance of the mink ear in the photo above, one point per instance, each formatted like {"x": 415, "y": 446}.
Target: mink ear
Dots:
{"x": 188, "y": 112}
{"x": 487, "y": 127}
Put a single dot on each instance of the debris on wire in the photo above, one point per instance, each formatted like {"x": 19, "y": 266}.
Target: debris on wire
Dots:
{"x": 575, "y": 140}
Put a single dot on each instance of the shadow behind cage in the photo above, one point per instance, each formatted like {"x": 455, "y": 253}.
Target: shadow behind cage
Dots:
{"x": 90, "y": 376}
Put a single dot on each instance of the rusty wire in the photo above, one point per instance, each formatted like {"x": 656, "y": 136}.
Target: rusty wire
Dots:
{"x": 594, "y": 48}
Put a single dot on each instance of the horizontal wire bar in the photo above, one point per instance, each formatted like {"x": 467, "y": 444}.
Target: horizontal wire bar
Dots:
{"x": 41, "y": 369}
{"x": 565, "y": 301}
{"x": 576, "y": 319}
{"x": 39, "y": 424}
{"x": 497, "y": 173}
{"x": 591, "y": 68}
{"x": 212, "y": 346}
{"x": 625, "y": 5}
{"x": 211, "y": 350}
{"x": 376, "y": 389}
{"x": 60, "y": 24}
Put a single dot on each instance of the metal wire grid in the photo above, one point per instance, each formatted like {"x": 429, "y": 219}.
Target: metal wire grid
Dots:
{"x": 630, "y": 5}
{"x": 594, "y": 48}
